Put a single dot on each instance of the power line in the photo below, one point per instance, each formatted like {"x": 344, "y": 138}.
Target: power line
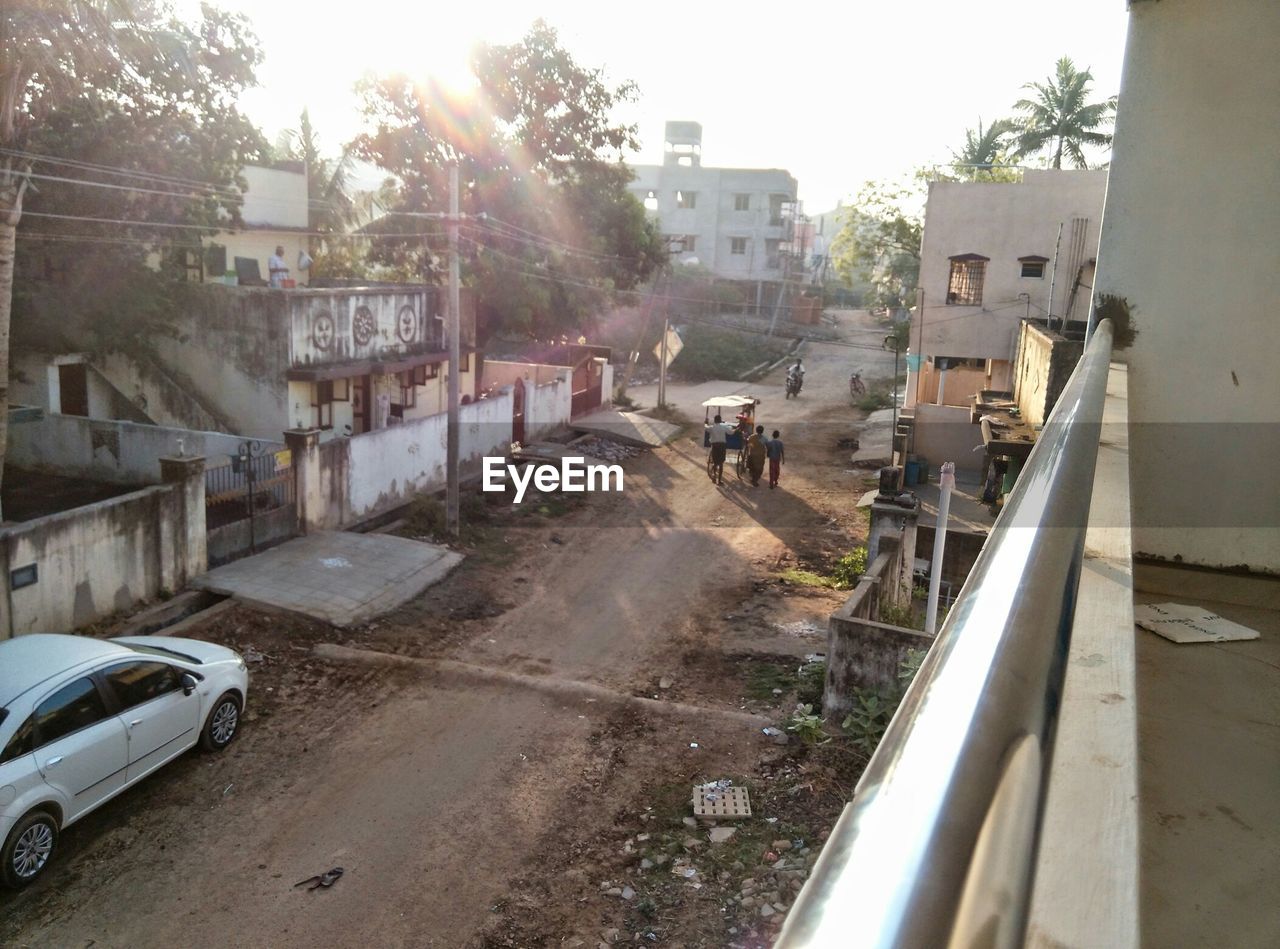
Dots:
{"x": 225, "y": 228}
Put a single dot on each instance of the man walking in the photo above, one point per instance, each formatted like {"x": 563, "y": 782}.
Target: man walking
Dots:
{"x": 774, "y": 449}
{"x": 717, "y": 432}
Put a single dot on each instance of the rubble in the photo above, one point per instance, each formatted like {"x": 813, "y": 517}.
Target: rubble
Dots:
{"x": 605, "y": 449}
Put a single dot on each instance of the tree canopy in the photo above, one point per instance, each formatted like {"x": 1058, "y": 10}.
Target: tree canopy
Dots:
{"x": 879, "y": 244}
{"x": 539, "y": 155}
{"x": 107, "y": 86}
{"x": 1058, "y": 117}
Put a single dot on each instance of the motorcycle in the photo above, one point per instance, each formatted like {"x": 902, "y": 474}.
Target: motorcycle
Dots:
{"x": 793, "y": 385}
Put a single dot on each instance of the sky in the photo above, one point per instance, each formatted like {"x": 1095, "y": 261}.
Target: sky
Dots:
{"x": 836, "y": 93}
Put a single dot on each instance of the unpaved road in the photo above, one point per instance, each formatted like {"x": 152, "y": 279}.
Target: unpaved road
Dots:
{"x": 434, "y": 795}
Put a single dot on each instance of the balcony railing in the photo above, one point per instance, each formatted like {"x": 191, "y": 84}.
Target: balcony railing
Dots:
{"x": 938, "y": 845}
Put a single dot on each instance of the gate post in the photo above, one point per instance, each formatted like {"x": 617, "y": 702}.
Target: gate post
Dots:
{"x": 304, "y": 450}
{"x": 190, "y": 548}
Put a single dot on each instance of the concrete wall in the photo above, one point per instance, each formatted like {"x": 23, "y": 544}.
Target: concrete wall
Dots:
{"x": 274, "y": 197}
{"x": 155, "y": 393}
{"x": 1189, "y": 245}
{"x": 323, "y": 327}
{"x": 102, "y": 558}
{"x": 259, "y": 244}
{"x": 944, "y": 433}
{"x": 862, "y": 652}
{"x": 387, "y": 467}
{"x": 1045, "y": 362}
{"x": 113, "y": 451}
{"x": 547, "y": 407}
{"x": 232, "y": 351}
{"x": 1003, "y": 222}
{"x": 499, "y": 373}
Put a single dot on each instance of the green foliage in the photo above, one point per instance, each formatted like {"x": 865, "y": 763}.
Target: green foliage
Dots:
{"x": 1058, "y": 117}
{"x": 867, "y": 722}
{"x": 879, "y": 244}
{"x": 807, "y": 578}
{"x": 896, "y": 615}
{"x": 540, "y": 153}
{"x": 984, "y": 154}
{"x": 764, "y": 677}
{"x": 807, "y": 725}
{"x": 810, "y": 680}
{"x": 136, "y": 88}
{"x": 848, "y": 570}
{"x": 875, "y": 399}
{"x": 874, "y": 709}
{"x": 711, "y": 352}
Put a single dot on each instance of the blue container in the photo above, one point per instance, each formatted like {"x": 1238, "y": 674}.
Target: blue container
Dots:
{"x": 911, "y": 476}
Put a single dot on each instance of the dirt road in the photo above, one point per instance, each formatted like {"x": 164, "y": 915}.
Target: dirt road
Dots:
{"x": 475, "y": 815}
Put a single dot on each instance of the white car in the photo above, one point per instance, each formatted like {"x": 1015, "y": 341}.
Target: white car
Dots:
{"x": 82, "y": 719}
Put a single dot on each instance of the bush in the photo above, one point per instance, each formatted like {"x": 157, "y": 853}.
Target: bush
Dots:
{"x": 876, "y": 399}
{"x": 715, "y": 353}
{"x": 850, "y": 568}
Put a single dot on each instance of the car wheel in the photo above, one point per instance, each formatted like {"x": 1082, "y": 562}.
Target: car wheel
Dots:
{"x": 28, "y": 848}
{"x": 223, "y": 723}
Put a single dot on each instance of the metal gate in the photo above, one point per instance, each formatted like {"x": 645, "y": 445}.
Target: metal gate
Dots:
{"x": 249, "y": 502}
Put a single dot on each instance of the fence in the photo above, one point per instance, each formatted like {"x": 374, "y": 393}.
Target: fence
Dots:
{"x": 249, "y": 503}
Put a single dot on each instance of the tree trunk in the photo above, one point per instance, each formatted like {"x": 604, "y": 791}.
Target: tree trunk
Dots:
{"x": 12, "y": 185}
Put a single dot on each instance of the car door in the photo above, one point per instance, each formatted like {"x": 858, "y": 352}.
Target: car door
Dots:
{"x": 80, "y": 748}
{"x": 160, "y": 720}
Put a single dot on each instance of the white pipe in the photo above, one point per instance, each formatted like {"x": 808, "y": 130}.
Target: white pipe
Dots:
{"x": 946, "y": 481}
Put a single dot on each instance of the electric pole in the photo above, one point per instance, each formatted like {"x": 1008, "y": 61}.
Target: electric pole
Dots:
{"x": 455, "y": 358}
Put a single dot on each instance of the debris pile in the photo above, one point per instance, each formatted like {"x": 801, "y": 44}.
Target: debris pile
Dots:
{"x": 606, "y": 449}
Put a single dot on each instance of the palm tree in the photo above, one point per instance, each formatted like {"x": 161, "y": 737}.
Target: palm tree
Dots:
{"x": 331, "y": 208}
{"x": 984, "y": 149}
{"x": 1061, "y": 118}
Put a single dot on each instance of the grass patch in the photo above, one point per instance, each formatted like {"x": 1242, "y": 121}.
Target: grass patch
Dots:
{"x": 875, "y": 399}
{"x": 844, "y": 575}
{"x": 764, "y": 677}
{"x": 715, "y": 353}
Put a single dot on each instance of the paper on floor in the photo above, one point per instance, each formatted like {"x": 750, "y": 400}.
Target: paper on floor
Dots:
{"x": 1189, "y": 624}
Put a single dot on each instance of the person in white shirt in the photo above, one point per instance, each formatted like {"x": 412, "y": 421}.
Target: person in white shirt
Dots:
{"x": 277, "y": 270}
{"x": 717, "y": 433}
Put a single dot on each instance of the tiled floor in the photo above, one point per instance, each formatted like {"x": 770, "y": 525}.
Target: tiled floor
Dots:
{"x": 336, "y": 577}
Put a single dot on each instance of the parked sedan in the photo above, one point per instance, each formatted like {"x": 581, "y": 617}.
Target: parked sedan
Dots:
{"x": 82, "y": 719}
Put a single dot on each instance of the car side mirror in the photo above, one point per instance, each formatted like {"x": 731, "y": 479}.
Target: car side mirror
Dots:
{"x": 188, "y": 683}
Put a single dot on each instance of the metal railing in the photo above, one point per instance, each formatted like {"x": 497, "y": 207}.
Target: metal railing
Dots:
{"x": 938, "y": 845}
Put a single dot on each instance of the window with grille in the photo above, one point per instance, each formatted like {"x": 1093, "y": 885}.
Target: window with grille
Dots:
{"x": 742, "y": 202}
{"x": 964, "y": 287}
{"x": 737, "y": 245}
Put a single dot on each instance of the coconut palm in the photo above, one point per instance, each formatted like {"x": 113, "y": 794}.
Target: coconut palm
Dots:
{"x": 1059, "y": 116}
{"x": 332, "y": 210}
{"x": 984, "y": 149}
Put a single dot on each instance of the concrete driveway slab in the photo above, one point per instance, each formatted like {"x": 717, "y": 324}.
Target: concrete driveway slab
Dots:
{"x": 336, "y": 577}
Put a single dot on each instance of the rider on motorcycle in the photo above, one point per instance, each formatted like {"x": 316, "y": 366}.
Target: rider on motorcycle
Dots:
{"x": 795, "y": 377}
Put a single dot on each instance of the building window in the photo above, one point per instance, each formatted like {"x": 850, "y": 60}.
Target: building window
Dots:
{"x": 686, "y": 199}
{"x": 408, "y": 389}
{"x": 651, "y": 201}
{"x": 964, "y": 287}
{"x": 322, "y": 402}
{"x": 689, "y": 242}
{"x": 1033, "y": 266}
{"x": 737, "y": 245}
{"x": 742, "y": 202}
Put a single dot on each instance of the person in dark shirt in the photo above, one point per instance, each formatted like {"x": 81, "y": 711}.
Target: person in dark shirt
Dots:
{"x": 774, "y": 449}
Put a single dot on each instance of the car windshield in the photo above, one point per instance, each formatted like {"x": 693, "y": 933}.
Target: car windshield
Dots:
{"x": 160, "y": 651}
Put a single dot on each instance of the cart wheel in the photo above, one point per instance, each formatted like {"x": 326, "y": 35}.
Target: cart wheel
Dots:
{"x": 742, "y": 465}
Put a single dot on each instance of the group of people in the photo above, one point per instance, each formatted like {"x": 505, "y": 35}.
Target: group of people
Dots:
{"x": 758, "y": 448}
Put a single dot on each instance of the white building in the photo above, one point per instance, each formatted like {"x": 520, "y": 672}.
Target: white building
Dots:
{"x": 735, "y": 221}
{"x": 993, "y": 254}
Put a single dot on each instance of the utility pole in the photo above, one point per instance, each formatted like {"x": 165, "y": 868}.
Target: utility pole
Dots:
{"x": 662, "y": 370}
{"x": 455, "y": 358}
{"x": 893, "y": 432}
{"x": 1053, "y": 279}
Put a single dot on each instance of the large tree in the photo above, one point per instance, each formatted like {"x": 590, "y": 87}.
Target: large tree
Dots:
{"x": 136, "y": 112}
{"x": 1059, "y": 117}
{"x": 540, "y": 155}
{"x": 879, "y": 244}
{"x": 331, "y": 207}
